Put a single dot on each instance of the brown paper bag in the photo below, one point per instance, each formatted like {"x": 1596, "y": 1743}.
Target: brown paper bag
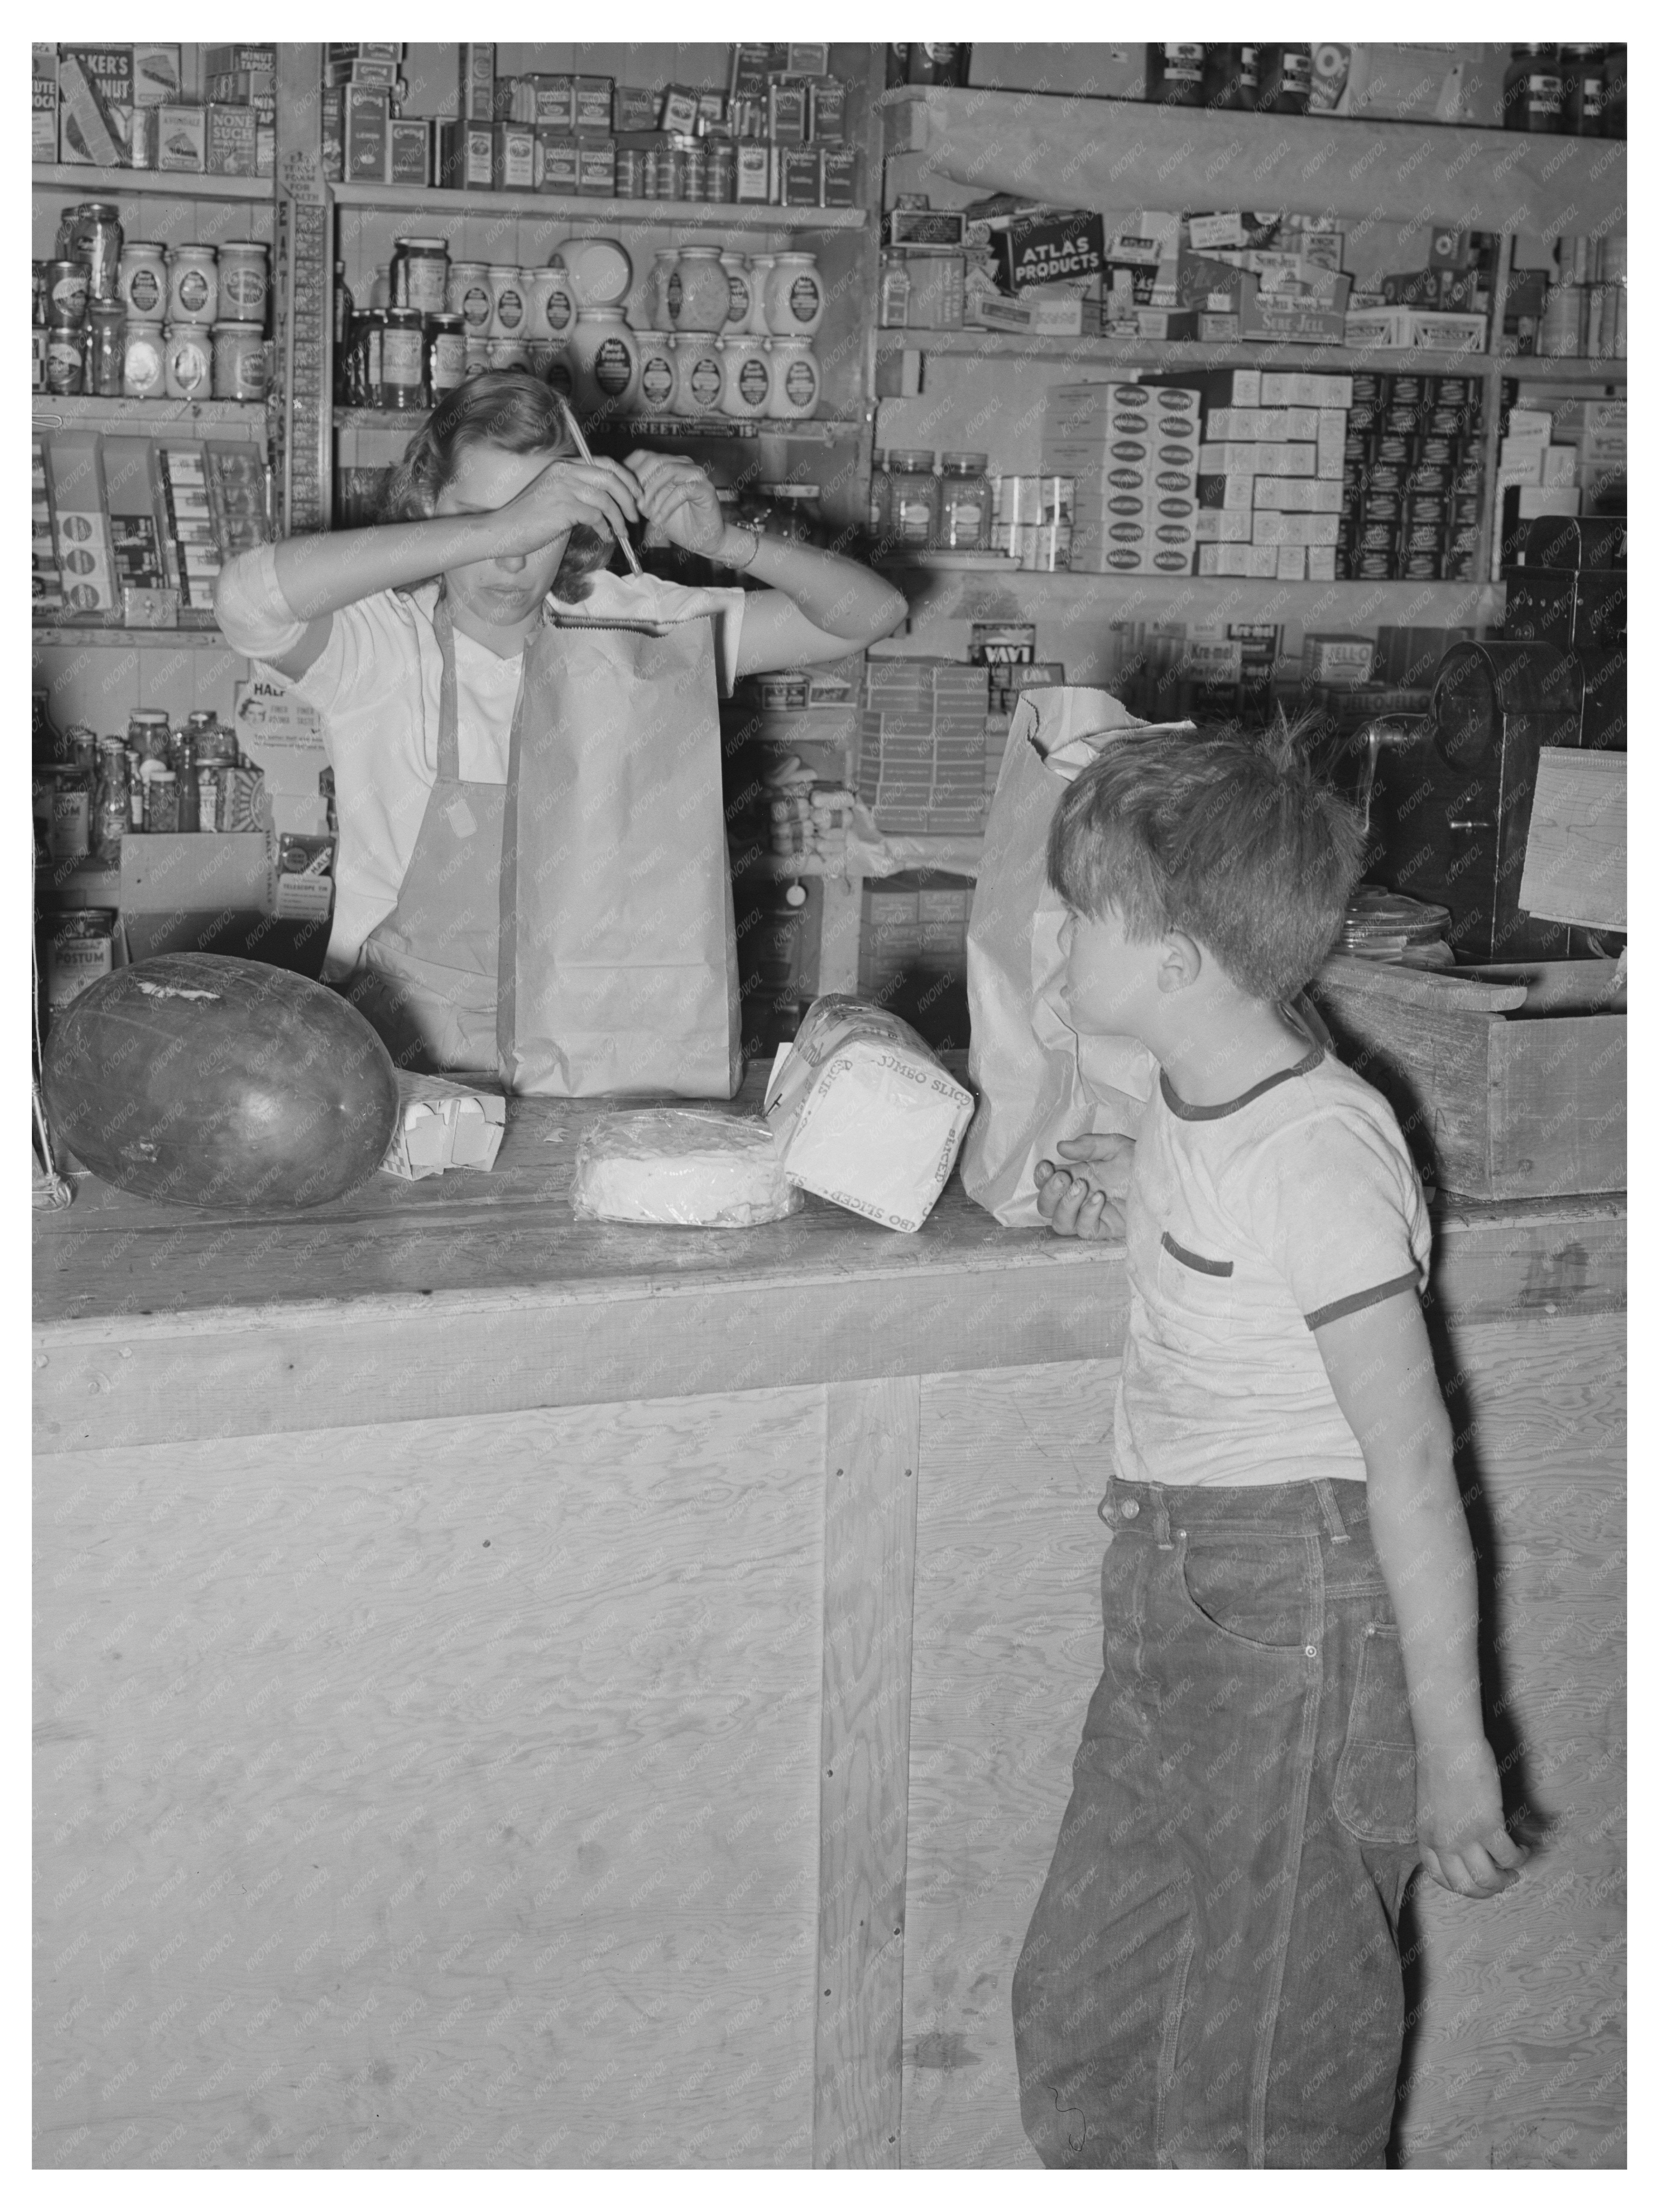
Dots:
{"x": 618, "y": 961}
{"x": 1037, "y": 1080}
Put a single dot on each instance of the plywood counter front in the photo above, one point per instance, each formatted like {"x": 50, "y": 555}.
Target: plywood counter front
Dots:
{"x": 516, "y": 1692}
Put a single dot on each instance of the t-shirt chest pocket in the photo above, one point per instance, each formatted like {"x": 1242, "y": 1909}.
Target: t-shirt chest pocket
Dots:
{"x": 1196, "y": 1282}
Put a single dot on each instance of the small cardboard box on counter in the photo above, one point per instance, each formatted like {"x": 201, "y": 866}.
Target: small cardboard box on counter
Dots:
{"x": 221, "y": 893}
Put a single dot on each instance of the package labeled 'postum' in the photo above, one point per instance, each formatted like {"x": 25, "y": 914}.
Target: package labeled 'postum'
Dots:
{"x": 864, "y": 1114}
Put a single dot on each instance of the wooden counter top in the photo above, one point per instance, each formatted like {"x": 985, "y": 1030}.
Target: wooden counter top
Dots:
{"x": 471, "y": 1292}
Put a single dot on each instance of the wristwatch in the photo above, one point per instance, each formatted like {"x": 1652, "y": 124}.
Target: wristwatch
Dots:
{"x": 753, "y": 535}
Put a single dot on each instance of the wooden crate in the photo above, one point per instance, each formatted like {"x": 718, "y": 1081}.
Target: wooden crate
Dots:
{"x": 1509, "y": 1082}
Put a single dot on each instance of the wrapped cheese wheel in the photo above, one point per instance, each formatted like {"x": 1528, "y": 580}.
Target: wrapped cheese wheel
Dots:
{"x": 864, "y": 1115}
{"x": 676, "y": 1167}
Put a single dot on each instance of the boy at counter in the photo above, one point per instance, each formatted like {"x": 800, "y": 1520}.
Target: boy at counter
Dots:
{"x": 1289, "y": 1717}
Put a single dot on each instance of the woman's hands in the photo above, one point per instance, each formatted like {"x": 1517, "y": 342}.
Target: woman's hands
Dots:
{"x": 602, "y": 494}
{"x": 1092, "y": 1204}
{"x": 677, "y": 502}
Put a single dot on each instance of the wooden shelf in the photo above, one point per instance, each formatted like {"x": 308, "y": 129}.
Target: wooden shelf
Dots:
{"x": 52, "y": 410}
{"x": 1117, "y": 155}
{"x": 938, "y": 593}
{"x": 205, "y": 636}
{"x": 816, "y": 432}
{"x": 176, "y": 184}
{"x": 1176, "y": 353}
{"x": 562, "y": 207}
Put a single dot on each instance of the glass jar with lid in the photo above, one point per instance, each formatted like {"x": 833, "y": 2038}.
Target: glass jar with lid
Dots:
{"x": 107, "y": 338}
{"x": 245, "y": 279}
{"x": 965, "y": 494}
{"x": 420, "y": 274}
{"x": 1532, "y": 90}
{"x": 605, "y": 360}
{"x": 793, "y": 295}
{"x": 470, "y": 296}
{"x": 699, "y": 372}
{"x": 402, "y": 359}
{"x": 698, "y": 290}
{"x": 144, "y": 283}
{"x": 913, "y": 497}
{"x": 738, "y": 284}
{"x": 193, "y": 284}
{"x": 509, "y": 308}
{"x": 187, "y": 362}
{"x": 657, "y": 358}
{"x": 445, "y": 355}
{"x": 795, "y": 379}
{"x": 746, "y": 378}
{"x": 552, "y": 306}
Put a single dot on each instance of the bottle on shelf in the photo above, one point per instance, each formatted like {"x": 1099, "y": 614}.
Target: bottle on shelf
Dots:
{"x": 1175, "y": 76}
{"x": 1286, "y": 80}
{"x": 112, "y": 809}
{"x": 1583, "y": 89}
{"x": 964, "y": 502}
{"x": 1532, "y": 90}
{"x": 1232, "y": 78}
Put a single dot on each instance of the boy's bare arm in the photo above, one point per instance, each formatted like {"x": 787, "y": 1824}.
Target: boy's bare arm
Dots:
{"x": 1381, "y": 1371}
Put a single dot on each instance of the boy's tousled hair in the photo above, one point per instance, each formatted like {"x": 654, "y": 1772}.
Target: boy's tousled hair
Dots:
{"x": 508, "y": 408}
{"x": 1234, "y": 840}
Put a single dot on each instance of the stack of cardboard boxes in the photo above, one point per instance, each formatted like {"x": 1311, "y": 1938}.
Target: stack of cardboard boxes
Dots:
{"x": 1133, "y": 454}
{"x": 1569, "y": 458}
{"x": 1269, "y": 484}
{"x": 922, "y": 744}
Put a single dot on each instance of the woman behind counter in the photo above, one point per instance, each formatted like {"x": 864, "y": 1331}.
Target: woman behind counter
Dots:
{"x": 409, "y": 641}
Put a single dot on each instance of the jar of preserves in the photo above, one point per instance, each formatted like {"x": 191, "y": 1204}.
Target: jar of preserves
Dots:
{"x": 92, "y": 233}
{"x": 656, "y": 287}
{"x": 420, "y": 274}
{"x": 106, "y": 338}
{"x": 239, "y": 360}
{"x": 470, "y": 296}
{"x": 1231, "y": 77}
{"x": 760, "y": 269}
{"x": 509, "y": 311}
{"x": 187, "y": 362}
{"x": 657, "y": 371}
{"x": 143, "y": 281}
{"x": 402, "y": 359}
{"x": 1286, "y": 74}
{"x": 552, "y": 308}
{"x": 445, "y": 355}
{"x": 698, "y": 290}
{"x": 879, "y": 496}
{"x": 964, "y": 502}
{"x": 746, "y": 378}
{"x": 699, "y": 372}
{"x": 1583, "y": 86}
{"x": 795, "y": 379}
{"x": 914, "y": 497}
{"x": 192, "y": 285}
{"x": 737, "y": 280}
{"x": 1532, "y": 90}
{"x": 65, "y": 361}
{"x": 605, "y": 362}
{"x": 161, "y": 803}
{"x": 795, "y": 296}
{"x": 68, "y": 286}
{"x": 1175, "y": 76}
{"x": 244, "y": 280}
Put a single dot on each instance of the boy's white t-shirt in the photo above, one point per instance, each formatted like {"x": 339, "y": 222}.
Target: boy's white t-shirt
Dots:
{"x": 376, "y": 687}
{"x": 1250, "y": 1225}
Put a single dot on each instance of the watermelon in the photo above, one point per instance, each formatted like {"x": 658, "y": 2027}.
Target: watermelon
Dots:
{"x": 216, "y": 1082}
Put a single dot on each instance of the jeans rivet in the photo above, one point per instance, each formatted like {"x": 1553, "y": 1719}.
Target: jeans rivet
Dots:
{"x": 1131, "y": 1507}
{"x": 1312, "y": 1650}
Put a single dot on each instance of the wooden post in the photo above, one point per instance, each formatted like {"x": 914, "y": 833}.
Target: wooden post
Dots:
{"x": 869, "y": 1568}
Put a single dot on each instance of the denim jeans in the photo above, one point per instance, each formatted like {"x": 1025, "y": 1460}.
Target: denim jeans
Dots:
{"x": 1212, "y": 1976}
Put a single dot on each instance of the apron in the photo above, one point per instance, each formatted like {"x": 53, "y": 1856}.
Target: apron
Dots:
{"x": 426, "y": 978}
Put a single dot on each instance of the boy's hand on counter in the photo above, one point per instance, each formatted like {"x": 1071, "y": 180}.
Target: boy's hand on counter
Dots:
{"x": 1076, "y": 1201}
{"x": 1460, "y": 1821}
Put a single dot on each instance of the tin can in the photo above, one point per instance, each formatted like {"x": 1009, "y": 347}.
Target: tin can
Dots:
{"x": 239, "y": 360}
{"x": 80, "y": 950}
{"x": 722, "y": 182}
{"x": 162, "y": 804}
{"x": 144, "y": 138}
{"x": 67, "y": 287}
{"x": 209, "y": 796}
{"x": 68, "y": 811}
{"x": 696, "y": 159}
{"x": 63, "y": 360}
{"x": 1561, "y": 327}
{"x": 630, "y": 173}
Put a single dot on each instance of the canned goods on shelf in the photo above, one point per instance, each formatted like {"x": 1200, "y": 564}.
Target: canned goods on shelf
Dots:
{"x": 80, "y": 950}
{"x": 68, "y": 285}
{"x": 402, "y": 359}
{"x": 106, "y": 344}
{"x": 187, "y": 362}
{"x": 446, "y": 356}
{"x": 143, "y": 279}
{"x": 193, "y": 284}
{"x": 239, "y": 360}
{"x": 420, "y": 274}
{"x": 244, "y": 280}
{"x": 91, "y": 232}
{"x": 66, "y": 362}
{"x": 698, "y": 290}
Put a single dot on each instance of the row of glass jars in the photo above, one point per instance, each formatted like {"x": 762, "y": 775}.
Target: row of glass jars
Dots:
{"x": 155, "y": 283}
{"x": 912, "y": 505}
{"x": 111, "y": 356}
{"x": 708, "y": 289}
{"x": 400, "y": 359}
